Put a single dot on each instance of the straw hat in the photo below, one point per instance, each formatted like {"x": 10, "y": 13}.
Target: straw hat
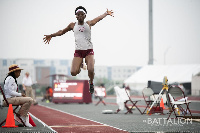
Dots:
{"x": 13, "y": 68}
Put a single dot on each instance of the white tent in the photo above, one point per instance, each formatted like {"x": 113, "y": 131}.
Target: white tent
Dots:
{"x": 174, "y": 73}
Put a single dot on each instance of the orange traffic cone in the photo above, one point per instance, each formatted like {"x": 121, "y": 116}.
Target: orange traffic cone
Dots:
{"x": 162, "y": 104}
{"x": 10, "y": 122}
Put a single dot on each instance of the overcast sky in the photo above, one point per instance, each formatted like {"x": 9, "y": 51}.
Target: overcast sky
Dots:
{"x": 122, "y": 40}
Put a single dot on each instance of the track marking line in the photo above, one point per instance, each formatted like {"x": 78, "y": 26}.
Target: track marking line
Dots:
{"x": 83, "y": 118}
{"x": 81, "y": 126}
{"x": 45, "y": 125}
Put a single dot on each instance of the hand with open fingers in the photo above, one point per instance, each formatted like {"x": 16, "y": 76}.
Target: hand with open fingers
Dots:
{"x": 47, "y": 38}
{"x": 110, "y": 13}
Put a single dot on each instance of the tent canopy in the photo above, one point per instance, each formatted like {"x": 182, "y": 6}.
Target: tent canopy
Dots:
{"x": 174, "y": 73}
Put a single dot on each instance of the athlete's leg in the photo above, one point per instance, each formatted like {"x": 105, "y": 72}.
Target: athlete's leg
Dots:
{"x": 90, "y": 66}
{"x": 76, "y": 64}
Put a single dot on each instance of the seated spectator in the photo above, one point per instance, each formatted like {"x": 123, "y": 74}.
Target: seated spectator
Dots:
{"x": 15, "y": 98}
{"x": 49, "y": 94}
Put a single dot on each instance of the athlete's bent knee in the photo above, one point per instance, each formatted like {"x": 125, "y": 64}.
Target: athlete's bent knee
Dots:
{"x": 30, "y": 100}
{"x": 73, "y": 73}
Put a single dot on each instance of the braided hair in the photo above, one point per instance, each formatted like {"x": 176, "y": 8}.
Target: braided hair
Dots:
{"x": 13, "y": 75}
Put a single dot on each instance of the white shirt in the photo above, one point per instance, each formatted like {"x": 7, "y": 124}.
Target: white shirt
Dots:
{"x": 10, "y": 88}
{"x": 121, "y": 96}
{"x": 27, "y": 81}
{"x": 82, "y": 34}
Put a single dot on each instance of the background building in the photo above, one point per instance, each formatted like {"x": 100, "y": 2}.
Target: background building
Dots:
{"x": 196, "y": 85}
{"x": 41, "y": 69}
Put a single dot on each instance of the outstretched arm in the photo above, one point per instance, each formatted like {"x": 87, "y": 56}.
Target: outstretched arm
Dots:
{"x": 94, "y": 21}
{"x": 47, "y": 38}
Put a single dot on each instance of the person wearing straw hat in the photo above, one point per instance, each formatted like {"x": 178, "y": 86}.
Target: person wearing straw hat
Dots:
{"x": 15, "y": 98}
{"x": 27, "y": 85}
{"x": 83, "y": 44}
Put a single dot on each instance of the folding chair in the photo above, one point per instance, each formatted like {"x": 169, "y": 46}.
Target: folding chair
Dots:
{"x": 123, "y": 97}
{"x": 147, "y": 92}
{"x": 100, "y": 94}
{"x": 156, "y": 87}
{"x": 173, "y": 93}
{"x": 1, "y": 101}
{"x": 132, "y": 102}
{"x": 14, "y": 110}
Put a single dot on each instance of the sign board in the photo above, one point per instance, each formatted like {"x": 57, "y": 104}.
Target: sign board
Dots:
{"x": 71, "y": 91}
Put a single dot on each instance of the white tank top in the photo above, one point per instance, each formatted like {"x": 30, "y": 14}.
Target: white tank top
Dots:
{"x": 82, "y": 34}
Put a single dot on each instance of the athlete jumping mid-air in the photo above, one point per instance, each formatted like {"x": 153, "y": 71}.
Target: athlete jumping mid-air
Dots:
{"x": 83, "y": 44}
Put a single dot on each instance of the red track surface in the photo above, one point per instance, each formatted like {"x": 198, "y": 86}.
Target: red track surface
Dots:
{"x": 66, "y": 123}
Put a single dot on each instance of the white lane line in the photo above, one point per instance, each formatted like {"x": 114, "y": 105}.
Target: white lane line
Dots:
{"x": 45, "y": 125}
{"x": 80, "y": 126}
{"x": 195, "y": 101}
{"x": 82, "y": 117}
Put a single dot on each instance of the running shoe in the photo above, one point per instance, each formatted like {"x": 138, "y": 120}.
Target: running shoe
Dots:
{"x": 25, "y": 120}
